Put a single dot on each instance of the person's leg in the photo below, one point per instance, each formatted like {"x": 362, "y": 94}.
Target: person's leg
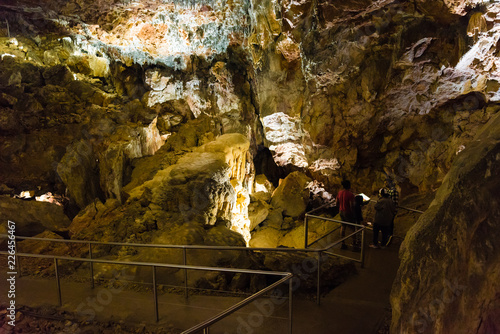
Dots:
{"x": 355, "y": 238}
{"x": 385, "y": 234}
{"x": 390, "y": 233}
{"x": 376, "y": 229}
{"x": 342, "y": 229}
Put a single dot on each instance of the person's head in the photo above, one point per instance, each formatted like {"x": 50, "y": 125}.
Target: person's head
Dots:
{"x": 389, "y": 183}
{"x": 346, "y": 184}
{"x": 383, "y": 193}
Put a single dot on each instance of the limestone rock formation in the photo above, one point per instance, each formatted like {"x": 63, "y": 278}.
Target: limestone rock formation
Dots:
{"x": 148, "y": 115}
{"x": 450, "y": 261}
{"x": 292, "y": 195}
{"x": 33, "y": 217}
{"x": 182, "y": 202}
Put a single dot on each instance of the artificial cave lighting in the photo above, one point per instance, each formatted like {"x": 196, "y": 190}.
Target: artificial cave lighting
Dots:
{"x": 323, "y": 165}
{"x": 289, "y": 153}
{"x": 26, "y": 194}
{"x": 50, "y": 198}
{"x": 240, "y": 222}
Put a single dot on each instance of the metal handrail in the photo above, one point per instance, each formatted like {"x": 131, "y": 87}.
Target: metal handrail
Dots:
{"x": 309, "y": 215}
{"x": 243, "y": 303}
{"x": 318, "y": 252}
{"x": 130, "y": 244}
{"x": 403, "y": 207}
{"x": 156, "y": 264}
{"x": 306, "y": 226}
{"x": 410, "y": 209}
{"x": 204, "y": 325}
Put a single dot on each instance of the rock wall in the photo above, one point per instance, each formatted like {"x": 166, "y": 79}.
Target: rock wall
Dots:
{"x": 448, "y": 281}
{"x": 112, "y": 104}
{"x": 368, "y": 88}
{"x": 361, "y": 89}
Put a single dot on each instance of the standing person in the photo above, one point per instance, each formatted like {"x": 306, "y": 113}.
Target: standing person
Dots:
{"x": 384, "y": 215}
{"x": 394, "y": 195}
{"x": 345, "y": 202}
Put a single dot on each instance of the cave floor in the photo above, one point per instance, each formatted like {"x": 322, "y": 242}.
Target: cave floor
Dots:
{"x": 360, "y": 305}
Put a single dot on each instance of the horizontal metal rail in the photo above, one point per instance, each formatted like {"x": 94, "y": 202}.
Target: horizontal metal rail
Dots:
{"x": 409, "y": 209}
{"x": 204, "y": 325}
{"x": 156, "y": 264}
{"x": 323, "y": 237}
{"x": 335, "y": 220}
{"x": 237, "y": 306}
{"x": 403, "y": 207}
{"x": 129, "y": 244}
{"x": 320, "y": 207}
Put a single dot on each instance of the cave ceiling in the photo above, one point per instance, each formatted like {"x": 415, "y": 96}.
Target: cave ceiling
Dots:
{"x": 358, "y": 89}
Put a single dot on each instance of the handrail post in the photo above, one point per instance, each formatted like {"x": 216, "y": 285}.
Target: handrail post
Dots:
{"x": 184, "y": 255}
{"x": 318, "y": 282}
{"x": 305, "y": 231}
{"x": 363, "y": 248}
{"x": 91, "y": 266}
{"x": 58, "y": 283}
{"x": 205, "y": 330}
{"x": 155, "y": 294}
{"x": 290, "y": 305}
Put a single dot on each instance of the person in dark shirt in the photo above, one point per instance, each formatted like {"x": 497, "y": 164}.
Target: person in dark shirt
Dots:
{"x": 345, "y": 202}
{"x": 384, "y": 215}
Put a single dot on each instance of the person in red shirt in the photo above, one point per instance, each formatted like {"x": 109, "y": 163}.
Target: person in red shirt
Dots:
{"x": 345, "y": 202}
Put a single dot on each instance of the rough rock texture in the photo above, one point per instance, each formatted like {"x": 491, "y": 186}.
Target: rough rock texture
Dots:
{"x": 33, "y": 217}
{"x": 450, "y": 261}
{"x": 362, "y": 89}
{"x": 89, "y": 91}
{"x": 196, "y": 189}
{"x": 292, "y": 195}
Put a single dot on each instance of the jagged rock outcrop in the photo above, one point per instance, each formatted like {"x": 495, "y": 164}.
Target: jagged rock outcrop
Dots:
{"x": 448, "y": 281}
{"x": 360, "y": 89}
{"x": 33, "y": 217}
{"x": 199, "y": 188}
{"x": 90, "y": 90}
{"x": 292, "y": 195}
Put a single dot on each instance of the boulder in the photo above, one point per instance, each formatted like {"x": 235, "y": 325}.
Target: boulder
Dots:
{"x": 79, "y": 172}
{"x": 33, "y": 217}
{"x": 263, "y": 184}
{"x": 292, "y": 195}
{"x": 266, "y": 237}
{"x": 257, "y": 212}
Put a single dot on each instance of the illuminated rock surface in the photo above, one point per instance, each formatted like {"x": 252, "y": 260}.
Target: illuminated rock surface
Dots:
{"x": 33, "y": 217}
{"x": 119, "y": 109}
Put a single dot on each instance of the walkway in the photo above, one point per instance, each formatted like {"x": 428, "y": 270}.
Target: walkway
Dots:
{"x": 357, "y": 306}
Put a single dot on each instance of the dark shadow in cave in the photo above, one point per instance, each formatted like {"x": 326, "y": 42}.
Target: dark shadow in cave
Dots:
{"x": 265, "y": 164}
